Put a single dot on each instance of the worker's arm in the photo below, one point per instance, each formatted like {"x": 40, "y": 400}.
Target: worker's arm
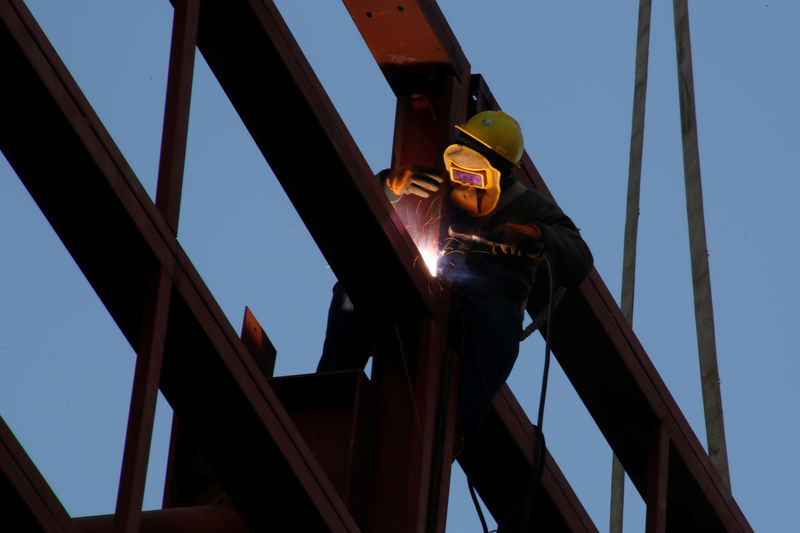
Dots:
{"x": 571, "y": 258}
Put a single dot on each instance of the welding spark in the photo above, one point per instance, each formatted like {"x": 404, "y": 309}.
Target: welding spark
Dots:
{"x": 430, "y": 255}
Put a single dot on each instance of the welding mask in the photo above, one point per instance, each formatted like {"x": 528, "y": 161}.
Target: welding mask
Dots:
{"x": 475, "y": 183}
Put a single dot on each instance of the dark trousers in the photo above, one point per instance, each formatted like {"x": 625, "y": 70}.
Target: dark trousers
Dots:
{"x": 490, "y": 328}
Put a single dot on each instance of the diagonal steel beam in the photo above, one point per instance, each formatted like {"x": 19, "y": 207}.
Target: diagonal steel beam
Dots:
{"x": 293, "y": 122}
{"x": 27, "y": 500}
{"x": 83, "y": 185}
{"x": 500, "y": 462}
{"x": 640, "y": 400}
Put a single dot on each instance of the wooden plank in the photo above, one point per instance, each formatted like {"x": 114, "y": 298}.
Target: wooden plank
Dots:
{"x": 632, "y": 226}
{"x": 701, "y": 276}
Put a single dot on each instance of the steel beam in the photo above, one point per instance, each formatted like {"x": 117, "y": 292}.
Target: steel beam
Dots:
{"x": 75, "y": 173}
{"x": 410, "y": 41}
{"x": 176, "y": 110}
{"x": 335, "y": 414}
{"x": 265, "y": 75}
{"x": 196, "y": 519}
{"x": 189, "y": 478}
{"x": 624, "y": 393}
{"x": 499, "y": 464}
{"x": 392, "y": 278}
{"x": 26, "y": 500}
{"x": 657, "y": 481}
{"x": 149, "y": 358}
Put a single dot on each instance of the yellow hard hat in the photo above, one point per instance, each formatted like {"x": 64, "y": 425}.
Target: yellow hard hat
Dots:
{"x": 497, "y": 131}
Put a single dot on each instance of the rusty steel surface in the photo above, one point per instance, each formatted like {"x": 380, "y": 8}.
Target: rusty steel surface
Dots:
{"x": 26, "y": 499}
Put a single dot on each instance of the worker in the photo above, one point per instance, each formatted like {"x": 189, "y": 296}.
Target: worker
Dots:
{"x": 500, "y": 234}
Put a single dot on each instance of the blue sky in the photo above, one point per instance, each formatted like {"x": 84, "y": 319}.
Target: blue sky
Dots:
{"x": 565, "y": 70}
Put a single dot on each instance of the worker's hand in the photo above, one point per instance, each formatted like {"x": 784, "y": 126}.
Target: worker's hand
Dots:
{"x": 412, "y": 180}
{"x": 527, "y": 237}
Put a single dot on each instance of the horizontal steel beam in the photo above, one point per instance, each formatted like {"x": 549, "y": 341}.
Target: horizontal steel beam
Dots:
{"x": 410, "y": 41}
{"x": 198, "y": 519}
{"x": 75, "y": 173}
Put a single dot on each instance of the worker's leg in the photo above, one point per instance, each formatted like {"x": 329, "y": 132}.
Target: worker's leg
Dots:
{"x": 492, "y": 328}
{"x": 348, "y": 341}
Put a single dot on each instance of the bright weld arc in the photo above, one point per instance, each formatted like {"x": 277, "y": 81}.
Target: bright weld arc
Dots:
{"x": 430, "y": 255}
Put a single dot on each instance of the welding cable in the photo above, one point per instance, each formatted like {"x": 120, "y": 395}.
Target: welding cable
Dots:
{"x": 477, "y": 506}
{"x": 550, "y": 304}
{"x": 539, "y": 447}
{"x": 408, "y": 378}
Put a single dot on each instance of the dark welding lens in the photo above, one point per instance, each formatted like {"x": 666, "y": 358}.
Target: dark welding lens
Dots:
{"x": 468, "y": 178}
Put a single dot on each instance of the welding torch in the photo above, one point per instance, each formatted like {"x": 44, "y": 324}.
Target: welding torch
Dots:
{"x": 533, "y": 252}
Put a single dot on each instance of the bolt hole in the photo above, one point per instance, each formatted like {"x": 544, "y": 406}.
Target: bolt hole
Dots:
{"x": 369, "y": 15}
{"x": 400, "y": 8}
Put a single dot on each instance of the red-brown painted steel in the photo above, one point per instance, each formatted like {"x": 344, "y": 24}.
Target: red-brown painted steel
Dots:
{"x": 222, "y": 393}
{"x": 115, "y": 234}
{"x": 335, "y": 414}
{"x": 410, "y": 41}
{"x": 423, "y": 124}
{"x": 657, "y": 481}
{"x": 275, "y": 71}
{"x": 150, "y": 348}
{"x": 257, "y": 343}
{"x": 176, "y": 112}
{"x": 195, "y": 519}
{"x": 189, "y": 478}
{"x": 150, "y": 353}
{"x": 259, "y": 30}
{"x": 499, "y": 464}
{"x": 407, "y": 376}
{"x": 26, "y": 499}
{"x": 625, "y": 394}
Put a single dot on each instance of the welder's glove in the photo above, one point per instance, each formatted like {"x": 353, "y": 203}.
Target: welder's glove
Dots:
{"x": 527, "y": 237}
{"x": 412, "y": 180}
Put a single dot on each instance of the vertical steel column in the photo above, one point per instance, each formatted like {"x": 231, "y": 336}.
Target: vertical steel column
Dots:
{"x": 701, "y": 276}
{"x": 416, "y": 392}
{"x": 657, "y": 480}
{"x": 176, "y": 110}
{"x": 150, "y": 350}
{"x": 632, "y": 225}
{"x": 150, "y": 344}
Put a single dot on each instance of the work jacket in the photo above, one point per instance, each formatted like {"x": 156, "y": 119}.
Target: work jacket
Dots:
{"x": 477, "y": 268}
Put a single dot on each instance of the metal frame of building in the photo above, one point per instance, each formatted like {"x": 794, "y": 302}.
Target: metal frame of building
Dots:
{"x": 242, "y": 454}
